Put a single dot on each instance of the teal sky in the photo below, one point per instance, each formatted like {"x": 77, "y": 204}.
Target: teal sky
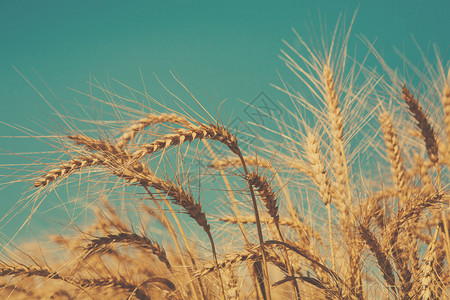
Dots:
{"x": 221, "y": 50}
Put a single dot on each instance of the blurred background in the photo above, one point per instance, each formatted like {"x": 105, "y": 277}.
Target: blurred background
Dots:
{"x": 221, "y": 51}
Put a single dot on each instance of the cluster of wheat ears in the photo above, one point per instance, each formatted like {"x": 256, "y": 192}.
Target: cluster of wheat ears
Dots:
{"x": 348, "y": 201}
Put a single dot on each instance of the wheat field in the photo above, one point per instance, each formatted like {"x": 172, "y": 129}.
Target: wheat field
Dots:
{"x": 344, "y": 198}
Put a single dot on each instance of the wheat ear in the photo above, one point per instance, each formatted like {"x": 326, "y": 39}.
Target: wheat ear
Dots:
{"x": 395, "y": 156}
{"x": 337, "y": 130}
{"x": 80, "y": 283}
{"x": 167, "y": 224}
{"x": 236, "y": 161}
{"x": 268, "y": 197}
{"x": 66, "y": 169}
{"x": 429, "y": 280}
{"x": 397, "y": 224}
{"x": 128, "y": 238}
{"x": 114, "y": 283}
{"x": 266, "y": 194}
{"x": 257, "y": 162}
{"x": 423, "y": 124}
{"x": 251, "y": 220}
{"x": 319, "y": 174}
{"x": 213, "y": 132}
{"x": 150, "y": 119}
{"x": 28, "y": 271}
{"x": 336, "y": 122}
{"x": 381, "y": 256}
{"x": 320, "y": 177}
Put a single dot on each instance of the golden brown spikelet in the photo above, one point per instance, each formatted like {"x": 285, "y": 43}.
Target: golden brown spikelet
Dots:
{"x": 266, "y": 193}
{"x": 423, "y": 124}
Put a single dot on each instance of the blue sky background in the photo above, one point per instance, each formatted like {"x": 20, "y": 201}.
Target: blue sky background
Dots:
{"x": 220, "y": 50}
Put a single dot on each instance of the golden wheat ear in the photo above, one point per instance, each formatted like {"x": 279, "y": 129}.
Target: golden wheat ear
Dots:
{"x": 395, "y": 157}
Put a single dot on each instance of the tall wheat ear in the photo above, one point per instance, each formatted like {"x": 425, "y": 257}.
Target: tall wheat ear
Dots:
{"x": 333, "y": 98}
